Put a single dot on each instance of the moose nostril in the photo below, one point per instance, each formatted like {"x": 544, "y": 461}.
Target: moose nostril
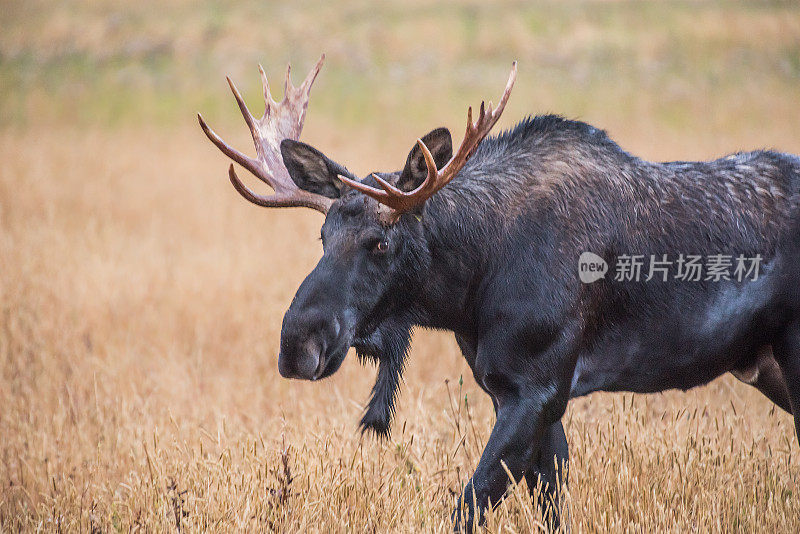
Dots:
{"x": 307, "y": 366}
{"x": 313, "y": 351}
{"x": 303, "y": 362}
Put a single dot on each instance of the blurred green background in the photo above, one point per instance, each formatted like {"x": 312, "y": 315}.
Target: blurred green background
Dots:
{"x": 708, "y": 67}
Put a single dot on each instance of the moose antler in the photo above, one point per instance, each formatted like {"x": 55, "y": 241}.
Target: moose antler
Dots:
{"x": 280, "y": 121}
{"x": 400, "y": 201}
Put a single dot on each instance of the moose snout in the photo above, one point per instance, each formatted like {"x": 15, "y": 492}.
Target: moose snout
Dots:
{"x": 306, "y": 338}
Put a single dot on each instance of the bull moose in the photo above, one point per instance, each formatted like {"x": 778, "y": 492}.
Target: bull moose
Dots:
{"x": 485, "y": 242}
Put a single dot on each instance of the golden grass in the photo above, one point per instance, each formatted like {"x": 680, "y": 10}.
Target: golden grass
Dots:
{"x": 141, "y": 299}
{"x": 141, "y": 302}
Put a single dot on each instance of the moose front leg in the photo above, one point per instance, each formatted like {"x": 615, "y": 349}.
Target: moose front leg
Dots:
{"x": 549, "y": 473}
{"x": 548, "y": 470}
{"x": 531, "y": 390}
{"x": 512, "y": 448}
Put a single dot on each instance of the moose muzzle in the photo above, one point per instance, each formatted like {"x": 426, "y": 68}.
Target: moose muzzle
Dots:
{"x": 316, "y": 332}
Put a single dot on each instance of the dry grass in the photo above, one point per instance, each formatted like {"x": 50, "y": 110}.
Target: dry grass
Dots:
{"x": 141, "y": 300}
{"x": 141, "y": 303}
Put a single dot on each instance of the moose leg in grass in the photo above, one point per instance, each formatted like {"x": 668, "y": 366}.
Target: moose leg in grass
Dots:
{"x": 485, "y": 242}
{"x": 548, "y": 469}
{"x": 787, "y": 352}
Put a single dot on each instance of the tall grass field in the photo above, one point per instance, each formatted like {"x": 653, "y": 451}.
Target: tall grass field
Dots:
{"x": 141, "y": 298}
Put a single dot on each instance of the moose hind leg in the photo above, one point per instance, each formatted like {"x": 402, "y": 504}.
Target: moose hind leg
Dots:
{"x": 766, "y": 376}
{"x": 549, "y": 474}
{"x": 787, "y": 354}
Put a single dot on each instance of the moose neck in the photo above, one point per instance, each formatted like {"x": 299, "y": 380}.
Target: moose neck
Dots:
{"x": 459, "y": 258}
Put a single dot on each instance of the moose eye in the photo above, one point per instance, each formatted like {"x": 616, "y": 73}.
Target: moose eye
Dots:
{"x": 381, "y": 246}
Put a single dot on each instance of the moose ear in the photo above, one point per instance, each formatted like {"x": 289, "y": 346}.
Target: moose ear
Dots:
{"x": 440, "y": 145}
{"x": 311, "y": 170}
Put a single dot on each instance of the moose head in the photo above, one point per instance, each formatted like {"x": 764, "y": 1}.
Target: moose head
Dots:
{"x": 374, "y": 237}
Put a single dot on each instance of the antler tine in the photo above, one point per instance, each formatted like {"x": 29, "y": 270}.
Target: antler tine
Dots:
{"x": 248, "y": 117}
{"x": 389, "y": 188}
{"x": 400, "y": 201}
{"x": 306, "y": 200}
{"x": 247, "y": 162}
{"x": 245, "y": 191}
{"x": 501, "y": 105}
{"x": 381, "y": 196}
{"x": 433, "y": 174}
{"x": 390, "y": 196}
{"x": 269, "y": 102}
{"x": 312, "y": 75}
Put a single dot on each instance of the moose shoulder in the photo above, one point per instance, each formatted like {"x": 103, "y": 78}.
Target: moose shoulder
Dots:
{"x": 486, "y": 242}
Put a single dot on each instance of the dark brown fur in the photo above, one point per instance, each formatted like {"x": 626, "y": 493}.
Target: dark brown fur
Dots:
{"x": 493, "y": 257}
